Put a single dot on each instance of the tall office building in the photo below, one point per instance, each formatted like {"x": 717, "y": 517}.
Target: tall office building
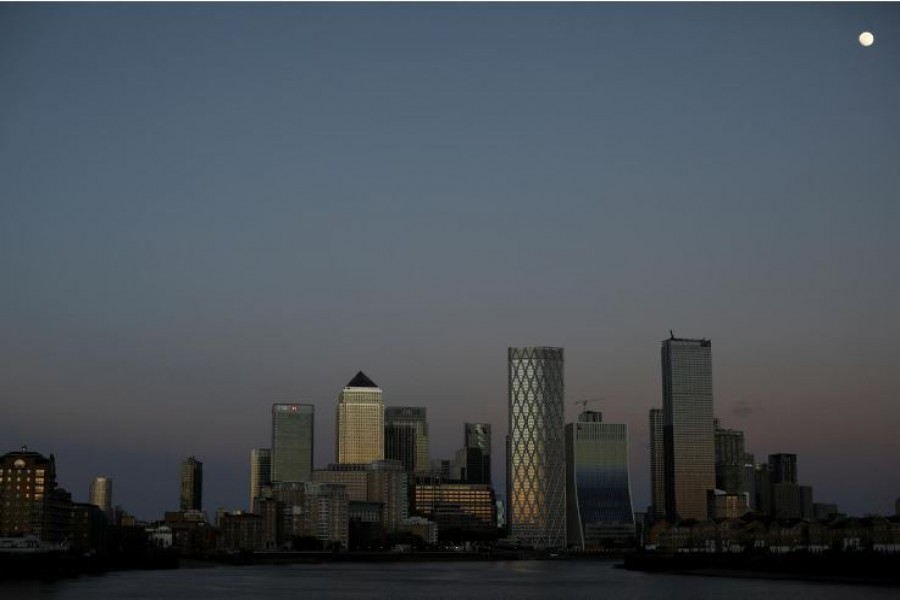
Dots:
{"x": 783, "y": 468}
{"x": 191, "y": 484}
{"x": 406, "y": 437}
{"x": 690, "y": 452}
{"x": 478, "y": 453}
{"x": 730, "y": 460}
{"x": 260, "y": 473}
{"x": 657, "y": 465}
{"x": 360, "y": 422}
{"x": 100, "y": 495}
{"x": 598, "y": 492}
{"x": 536, "y": 459}
{"x": 292, "y": 442}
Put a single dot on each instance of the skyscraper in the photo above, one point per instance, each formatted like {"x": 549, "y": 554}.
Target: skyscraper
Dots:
{"x": 191, "y": 484}
{"x": 783, "y": 468}
{"x": 598, "y": 492}
{"x": 101, "y": 495}
{"x": 292, "y": 442}
{"x": 478, "y": 453}
{"x": 690, "y": 452}
{"x": 536, "y": 462}
{"x": 406, "y": 437}
{"x": 360, "y": 422}
{"x": 260, "y": 473}
{"x": 730, "y": 460}
{"x": 657, "y": 465}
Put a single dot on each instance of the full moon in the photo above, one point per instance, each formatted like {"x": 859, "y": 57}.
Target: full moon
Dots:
{"x": 866, "y": 38}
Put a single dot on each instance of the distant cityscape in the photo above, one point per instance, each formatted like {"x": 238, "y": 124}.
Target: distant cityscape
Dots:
{"x": 568, "y": 486}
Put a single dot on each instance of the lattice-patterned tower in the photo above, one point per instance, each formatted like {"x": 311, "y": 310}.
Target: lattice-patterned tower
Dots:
{"x": 536, "y": 455}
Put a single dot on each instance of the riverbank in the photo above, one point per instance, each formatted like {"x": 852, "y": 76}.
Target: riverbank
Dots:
{"x": 858, "y": 568}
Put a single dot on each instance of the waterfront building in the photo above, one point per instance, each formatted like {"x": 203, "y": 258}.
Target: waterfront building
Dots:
{"x": 240, "y": 531}
{"x": 360, "y": 422}
{"x": 792, "y": 501}
{"x": 260, "y": 473}
{"x": 383, "y": 481}
{"x": 463, "y": 510}
{"x": 730, "y": 460}
{"x": 406, "y": 437}
{"x": 89, "y": 527}
{"x": 598, "y": 492}
{"x": 688, "y": 426}
{"x": 421, "y": 527}
{"x": 292, "y": 442}
{"x": 30, "y": 502}
{"x": 100, "y": 495}
{"x": 657, "y": 465}
{"x": 312, "y": 510}
{"x": 725, "y": 505}
{"x": 536, "y": 448}
{"x": 191, "y": 485}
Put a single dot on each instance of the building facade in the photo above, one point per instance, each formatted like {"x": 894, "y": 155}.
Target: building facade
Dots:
{"x": 599, "y": 513}
{"x": 100, "y": 495}
{"x": 465, "y": 510}
{"x": 657, "y": 465}
{"x": 783, "y": 468}
{"x": 292, "y": 442}
{"x": 30, "y": 502}
{"x": 730, "y": 460}
{"x": 536, "y": 448}
{"x": 191, "y": 484}
{"x": 260, "y": 473}
{"x": 688, "y": 432}
{"x": 360, "y": 422}
{"x": 406, "y": 437}
{"x": 478, "y": 453}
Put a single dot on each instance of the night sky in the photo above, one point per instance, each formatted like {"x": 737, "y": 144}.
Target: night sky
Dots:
{"x": 206, "y": 209}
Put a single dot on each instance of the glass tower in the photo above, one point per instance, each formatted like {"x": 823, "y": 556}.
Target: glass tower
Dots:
{"x": 406, "y": 437}
{"x": 598, "y": 492}
{"x": 536, "y": 459}
{"x": 730, "y": 460}
{"x": 478, "y": 452}
{"x": 292, "y": 442}
{"x": 101, "y": 495}
{"x": 360, "y": 422}
{"x": 657, "y": 464}
{"x": 690, "y": 453}
{"x": 260, "y": 473}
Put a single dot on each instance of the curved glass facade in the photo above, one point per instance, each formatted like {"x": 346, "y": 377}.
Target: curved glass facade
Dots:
{"x": 598, "y": 488}
{"x": 536, "y": 448}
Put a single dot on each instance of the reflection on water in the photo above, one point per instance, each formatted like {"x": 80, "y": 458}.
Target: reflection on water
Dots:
{"x": 520, "y": 580}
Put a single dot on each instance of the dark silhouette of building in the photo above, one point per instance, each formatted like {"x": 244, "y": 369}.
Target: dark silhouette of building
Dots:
{"x": 191, "y": 484}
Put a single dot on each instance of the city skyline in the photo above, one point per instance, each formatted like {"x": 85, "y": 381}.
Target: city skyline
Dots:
{"x": 211, "y": 209}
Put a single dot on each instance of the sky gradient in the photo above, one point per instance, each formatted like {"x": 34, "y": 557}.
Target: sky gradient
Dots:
{"x": 207, "y": 209}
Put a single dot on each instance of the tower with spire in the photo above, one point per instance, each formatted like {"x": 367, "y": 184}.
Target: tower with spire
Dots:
{"x": 360, "y": 422}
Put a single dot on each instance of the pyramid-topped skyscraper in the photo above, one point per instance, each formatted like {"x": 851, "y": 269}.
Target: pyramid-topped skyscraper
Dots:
{"x": 360, "y": 422}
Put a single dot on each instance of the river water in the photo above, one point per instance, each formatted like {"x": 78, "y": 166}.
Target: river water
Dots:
{"x": 519, "y": 580}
